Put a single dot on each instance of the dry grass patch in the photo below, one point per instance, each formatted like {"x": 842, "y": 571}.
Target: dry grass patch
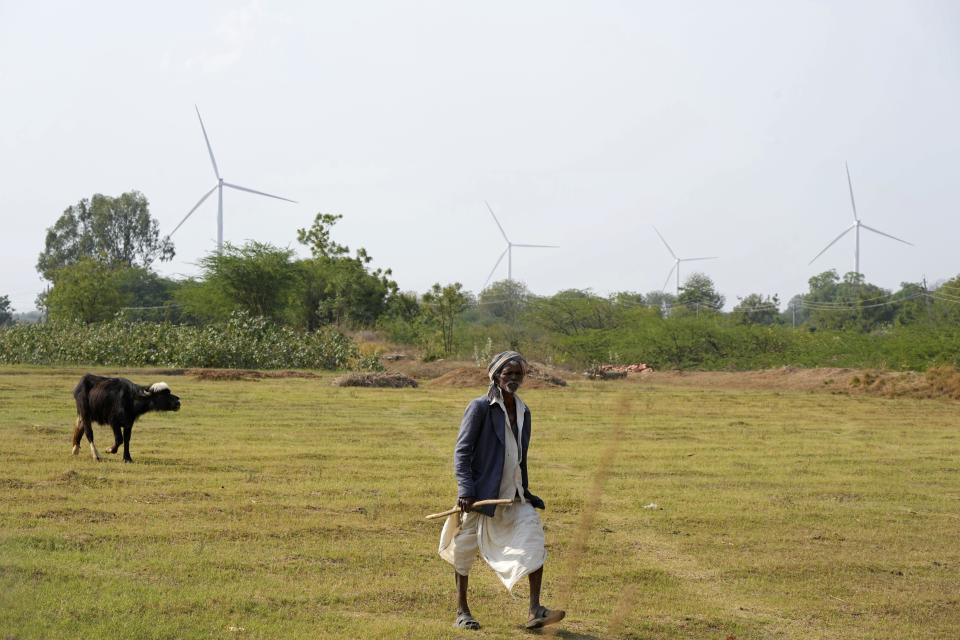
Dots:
{"x": 246, "y": 374}
{"x": 375, "y": 379}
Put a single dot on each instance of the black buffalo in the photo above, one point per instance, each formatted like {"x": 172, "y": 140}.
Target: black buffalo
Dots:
{"x": 118, "y": 403}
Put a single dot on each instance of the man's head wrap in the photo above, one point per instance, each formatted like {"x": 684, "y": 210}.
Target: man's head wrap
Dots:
{"x": 499, "y": 362}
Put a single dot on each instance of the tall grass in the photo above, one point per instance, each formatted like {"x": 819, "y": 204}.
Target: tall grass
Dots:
{"x": 242, "y": 342}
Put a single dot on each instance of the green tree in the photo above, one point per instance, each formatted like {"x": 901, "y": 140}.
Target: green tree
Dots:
{"x": 912, "y": 306}
{"x": 660, "y": 300}
{"x": 86, "y": 291}
{"x": 698, "y": 294}
{"x": 573, "y": 312}
{"x": 6, "y": 311}
{"x": 339, "y": 288}
{"x": 757, "y": 309}
{"x": 946, "y": 303}
{"x": 115, "y": 231}
{"x": 318, "y": 239}
{"x": 850, "y": 303}
{"x": 256, "y": 277}
{"x": 504, "y": 300}
{"x": 441, "y": 306}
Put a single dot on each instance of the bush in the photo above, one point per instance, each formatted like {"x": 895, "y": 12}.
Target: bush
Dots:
{"x": 242, "y": 342}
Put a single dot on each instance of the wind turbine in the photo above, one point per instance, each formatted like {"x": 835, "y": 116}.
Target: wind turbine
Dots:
{"x": 676, "y": 263}
{"x": 219, "y": 189}
{"x": 857, "y": 223}
{"x": 509, "y": 250}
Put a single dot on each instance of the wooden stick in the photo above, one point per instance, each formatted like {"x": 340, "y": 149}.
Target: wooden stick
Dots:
{"x": 478, "y": 503}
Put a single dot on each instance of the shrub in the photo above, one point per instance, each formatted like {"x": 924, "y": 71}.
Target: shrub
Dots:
{"x": 242, "y": 342}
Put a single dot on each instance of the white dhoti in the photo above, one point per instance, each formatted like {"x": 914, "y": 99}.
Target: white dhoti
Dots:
{"x": 511, "y": 542}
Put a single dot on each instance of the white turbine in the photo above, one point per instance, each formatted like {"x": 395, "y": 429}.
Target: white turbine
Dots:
{"x": 509, "y": 250}
{"x": 219, "y": 189}
{"x": 676, "y": 263}
{"x": 857, "y": 223}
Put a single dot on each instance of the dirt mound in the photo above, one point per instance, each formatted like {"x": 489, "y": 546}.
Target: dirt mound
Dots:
{"x": 388, "y": 380}
{"x": 466, "y": 377}
{"x": 421, "y": 370}
{"x": 937, "y": 382}
{"x": 246, "y": 374}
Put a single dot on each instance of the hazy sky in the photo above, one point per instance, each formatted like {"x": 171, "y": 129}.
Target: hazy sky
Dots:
{"x": 582, "y": 123}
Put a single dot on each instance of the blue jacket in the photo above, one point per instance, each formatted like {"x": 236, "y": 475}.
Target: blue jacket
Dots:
{"x": 478, "y": 455}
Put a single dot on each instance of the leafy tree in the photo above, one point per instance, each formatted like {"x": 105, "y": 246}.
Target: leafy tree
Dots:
{"x": 912, "y": 305}
{"x": 504, "y": 300}
{"x": 627, "y": 299}
{"x": 256, "y": 277}
{"x": 86, "y": 291}
{"x": 699, "y": 294}
{"x": 6, "y": 311}
{"x": 442, "y": 305}
{"x": 946, "y": 306}
{"x": 572, "y": 312}
{"x": 757, "y": 309}
{"x": 318, "y": 239}
{"x": 796, "y": 313}
{"x": 660, "y": 300}
{"x": 851, "y": 303}
{"x": 339, "y": 288}
{"x": 116, "y": 231}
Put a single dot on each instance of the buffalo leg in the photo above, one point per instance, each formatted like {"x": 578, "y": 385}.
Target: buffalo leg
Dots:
{"x": 117, "y": 438}
{"x": 77, "y": 435}
{"x": 127, "y": 429}
{"x": 88, "y": 430}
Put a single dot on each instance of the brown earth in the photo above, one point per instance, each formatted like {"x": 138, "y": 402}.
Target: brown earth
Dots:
{"x": 937, "y": 382}
{"x": 538, "y": 377}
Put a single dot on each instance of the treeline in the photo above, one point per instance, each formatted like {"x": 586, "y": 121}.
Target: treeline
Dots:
{"x": 271, "y": 308}
{"x": 838, "y": 322}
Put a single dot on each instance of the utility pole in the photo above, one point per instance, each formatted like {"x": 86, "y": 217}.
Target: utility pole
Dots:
{"x": 926, "y": 297}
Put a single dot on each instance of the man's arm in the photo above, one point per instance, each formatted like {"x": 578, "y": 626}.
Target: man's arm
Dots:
{"x": 470, "y": 428}
{"x": 534, "y": 500}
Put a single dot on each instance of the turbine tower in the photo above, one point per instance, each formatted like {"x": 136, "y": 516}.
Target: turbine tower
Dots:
{"x": 676, "y": 263}
{"x": 219, "y": 189}
{"x": 509, "y": 250}
{"x": 857, "y": 223}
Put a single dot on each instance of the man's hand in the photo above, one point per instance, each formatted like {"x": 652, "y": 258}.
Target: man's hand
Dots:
{"x": 466, "y": 503}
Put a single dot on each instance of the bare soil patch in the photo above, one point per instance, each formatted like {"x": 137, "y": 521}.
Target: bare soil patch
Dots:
{"x": 538, "y": 377}
{"x": 938, "y": 382}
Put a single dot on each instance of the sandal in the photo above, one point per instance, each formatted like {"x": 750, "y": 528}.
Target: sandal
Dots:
{"x": 466, "y": 621}
{"x": 544, "y": 617}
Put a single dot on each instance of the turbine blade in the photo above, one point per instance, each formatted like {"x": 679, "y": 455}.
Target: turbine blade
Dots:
{"x": 665, "y": 244}
{"x": 538, "y": 246}
{"x": 669, "y": 275}
{"x": 845, "y": 232}
{"x": 853, "y": 203}
{"x": 496, "y": 264}
{"x": 259, "y": 193}
{"x": 195, "y": 207}
{"x": 691, "y": 259}
{"x": 209, "y": 148}
{"x": 497, "y": 221}
{"x": 885, "y": 234}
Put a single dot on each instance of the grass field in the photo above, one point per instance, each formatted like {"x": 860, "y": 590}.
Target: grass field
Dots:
{"x": 287, "y": 508}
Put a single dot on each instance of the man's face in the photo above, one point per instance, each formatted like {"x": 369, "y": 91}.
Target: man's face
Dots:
{"x": 510, "y": 377}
